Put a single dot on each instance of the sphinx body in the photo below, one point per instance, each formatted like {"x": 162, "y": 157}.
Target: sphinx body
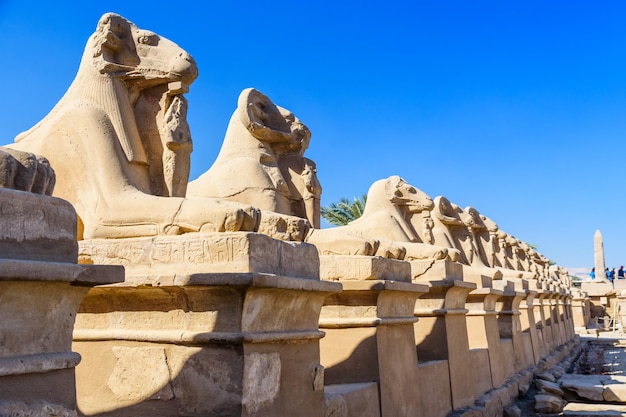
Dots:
{"x": 450, "y": 228}
{"x": 120, "y": 144}
{"x": 261, "y": 161}
{"x": 387, "y": 218}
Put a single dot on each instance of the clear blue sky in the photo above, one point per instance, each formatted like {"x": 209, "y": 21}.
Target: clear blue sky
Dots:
{"x": 517, "y": 108}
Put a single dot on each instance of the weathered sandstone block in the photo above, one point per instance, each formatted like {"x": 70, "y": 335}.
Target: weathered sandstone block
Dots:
{"x": 167, "y": 260}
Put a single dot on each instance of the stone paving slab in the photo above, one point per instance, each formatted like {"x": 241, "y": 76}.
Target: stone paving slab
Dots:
{"x": 584, "y": 410}
{"x": 596, "y": 387}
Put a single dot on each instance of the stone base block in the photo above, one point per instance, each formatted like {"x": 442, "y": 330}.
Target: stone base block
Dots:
{"x": 428, "y": 270}
{"x": 222, "y": 344}
{"x": 163, "y": 257}
{"x": 38, "y": 408}
{"x": 597, "y": 289}
{"x": 37, "y": 227}
{"x": 434, "y": 389}
{"x": 353, "y": 268}
{"x": 38, "y": 305}
{"x": 352, "y": 400}
{"x": 584, "y": 410}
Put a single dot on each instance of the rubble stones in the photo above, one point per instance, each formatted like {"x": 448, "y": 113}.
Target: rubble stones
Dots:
{"x": 548, "y": 404}
{"x": 549, "y": 387}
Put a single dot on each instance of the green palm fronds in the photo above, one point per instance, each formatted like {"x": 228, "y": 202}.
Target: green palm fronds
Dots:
{"x": 345, "y": 211}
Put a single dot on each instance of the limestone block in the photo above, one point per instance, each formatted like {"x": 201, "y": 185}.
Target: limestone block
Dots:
{"x": 481, "y": 371}
{"x": 549, "y": 387}
{"x": 214, "y": 344}
{"x": 557, "y": 371}
{"x": 490, "y": 403}
{"x": 582, "y": 409}
{"x": 140, "y": 373}
{"x": 261, "y": 380}
{"x": 597, "y": 289}
{"x": 36, "y": 409}
{"x": 348, "y": 268}
{"x": 434, "y": 389}
{"x": 524, "y": 380}
{"x": 548, "y": 404}
{"x": 615, "y": 389}
{"x": 351, "y": 400}
{"x": 162, "y": 260}
{"x": 512, "y": 411}
{"x": 424, "y": 271}
{"x": 590, "y": 387}
{"x": 37, "y": 227}
{"x": 41, "y": 288}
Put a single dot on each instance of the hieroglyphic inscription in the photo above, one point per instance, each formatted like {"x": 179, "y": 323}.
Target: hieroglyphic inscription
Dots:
{"x": 363, "y": 268}
{"x": 29, "y": 216}
{"x": 166, "y": 250}
{"x": 348, "y": 268}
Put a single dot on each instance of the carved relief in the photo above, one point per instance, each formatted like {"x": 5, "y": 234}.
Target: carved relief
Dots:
{"x": 165, "y": 250}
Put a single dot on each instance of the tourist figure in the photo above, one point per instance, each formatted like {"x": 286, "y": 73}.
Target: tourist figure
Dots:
{"x": 592, "y": 274}
{"x": 611, "y": 275}
{"x": 620, "y": 272}
{"x": 607, "y": 273}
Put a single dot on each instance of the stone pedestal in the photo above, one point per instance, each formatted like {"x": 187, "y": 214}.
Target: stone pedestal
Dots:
{"x": 509, "y": 322}
{"x": 482, "y": 324}
{"x": 560, "y": 300}
{"x": 527, "y": 319}
{"x": 544, "y": 321}
{"x": 621, "y": 299}
{"x": 441, "y": 333}
{"x": 555, "y": 315}
{"x": 41, "y": 288}
{"x": 191, "y": 343}
{"x": 580, "y": 310}
{"x": 369, "y": 330}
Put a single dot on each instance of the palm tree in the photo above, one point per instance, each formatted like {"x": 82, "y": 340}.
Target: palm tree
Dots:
{"x": 345, "y": 211}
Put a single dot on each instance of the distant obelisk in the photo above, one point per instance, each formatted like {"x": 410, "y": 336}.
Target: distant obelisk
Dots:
{"x": 598, "y": 255}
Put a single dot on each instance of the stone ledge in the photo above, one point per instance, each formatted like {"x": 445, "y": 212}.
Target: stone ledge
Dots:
{"x": 349, "y": 323}
{"x": 248, "y": 279}
{"x": 38, "y": 363}
{"x": 198, "y": 253}
{"x": 380, "y": 285}
{"x": 89, "y": 275}
{"x": 190, "y": 338}
{"x": 584, "y": 410}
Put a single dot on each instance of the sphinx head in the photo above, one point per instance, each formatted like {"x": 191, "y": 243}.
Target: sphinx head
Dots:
{"x": 139, "y": 57}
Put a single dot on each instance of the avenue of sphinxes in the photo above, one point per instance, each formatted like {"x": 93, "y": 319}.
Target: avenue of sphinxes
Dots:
{"x": 127, "y": 291}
